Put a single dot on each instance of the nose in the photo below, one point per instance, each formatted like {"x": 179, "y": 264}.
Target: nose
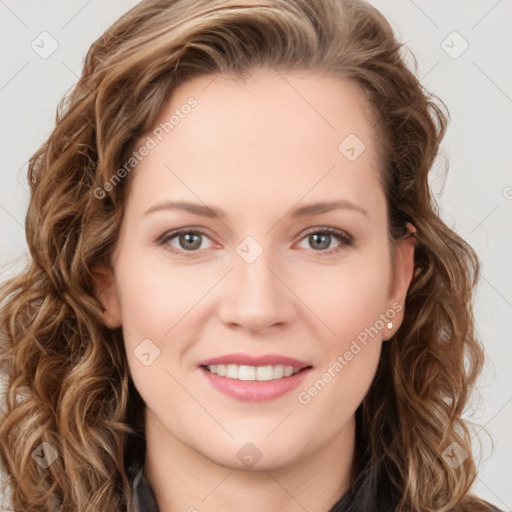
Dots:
{"x": 256, "y": 296}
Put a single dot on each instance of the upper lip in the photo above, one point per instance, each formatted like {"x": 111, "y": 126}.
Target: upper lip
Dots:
{"x": 249, "y": 360}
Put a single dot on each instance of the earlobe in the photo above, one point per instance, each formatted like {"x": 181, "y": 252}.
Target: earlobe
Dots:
{"x": 106, "y": 292}
{"x": 401, "y": 278}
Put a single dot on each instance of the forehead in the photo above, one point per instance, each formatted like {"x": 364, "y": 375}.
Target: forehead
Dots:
{"x": 274, "y": 135}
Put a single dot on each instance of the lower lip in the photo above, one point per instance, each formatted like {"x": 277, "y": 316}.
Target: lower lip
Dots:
{"x": 255, "y": 391}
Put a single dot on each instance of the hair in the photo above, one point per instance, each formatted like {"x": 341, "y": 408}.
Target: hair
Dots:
{"x": 68, "y": 382}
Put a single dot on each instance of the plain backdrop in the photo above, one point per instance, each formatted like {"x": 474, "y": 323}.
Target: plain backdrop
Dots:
{"x": 464, "y": 51}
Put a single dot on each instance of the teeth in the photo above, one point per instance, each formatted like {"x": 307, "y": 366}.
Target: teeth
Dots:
{"x": 259, "y": 373}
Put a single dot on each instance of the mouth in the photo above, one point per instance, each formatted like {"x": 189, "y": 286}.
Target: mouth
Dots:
{"x": 254, "y": 378}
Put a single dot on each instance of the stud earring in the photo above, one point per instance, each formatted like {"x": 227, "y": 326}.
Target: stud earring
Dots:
{"x": 390, "y": 325}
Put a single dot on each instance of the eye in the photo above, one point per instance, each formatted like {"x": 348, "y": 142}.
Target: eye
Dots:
{"x": 184, "y": 240}
{"x": 321, "y": 239}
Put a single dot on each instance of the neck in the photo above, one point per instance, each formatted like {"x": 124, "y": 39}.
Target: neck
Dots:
{"x": 183, "y": 479}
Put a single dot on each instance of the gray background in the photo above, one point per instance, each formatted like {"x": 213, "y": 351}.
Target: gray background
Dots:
{"x": 476, "y": 198}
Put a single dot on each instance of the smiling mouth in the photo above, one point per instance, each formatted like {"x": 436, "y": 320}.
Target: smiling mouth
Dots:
{"x": 253, "y": 373}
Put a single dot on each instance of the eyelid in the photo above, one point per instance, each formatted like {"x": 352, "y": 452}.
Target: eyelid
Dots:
{"x": 327, "y": 229}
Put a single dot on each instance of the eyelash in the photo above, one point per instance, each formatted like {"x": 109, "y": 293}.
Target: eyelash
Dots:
{"x": 344, "y": 238}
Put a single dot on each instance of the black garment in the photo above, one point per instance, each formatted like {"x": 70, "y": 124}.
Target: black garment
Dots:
{"x": 143, "y": 497}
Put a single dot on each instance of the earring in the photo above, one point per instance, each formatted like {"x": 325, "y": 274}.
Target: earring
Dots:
{"x": 390, "y": 325}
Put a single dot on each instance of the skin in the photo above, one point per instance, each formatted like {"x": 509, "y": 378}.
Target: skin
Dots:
{"x": 257, "y": 150}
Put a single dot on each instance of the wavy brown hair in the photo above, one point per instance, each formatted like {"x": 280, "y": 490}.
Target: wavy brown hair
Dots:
{"x": 67, "y": 377}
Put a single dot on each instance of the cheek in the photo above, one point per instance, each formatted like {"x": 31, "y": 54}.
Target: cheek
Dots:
{"x": 349, "y": 298}
{"x": 350, "y": 304}
{"x": 161, "y": 303}
{"x": 154, "y": 297}
{"x": 154, "y": 301}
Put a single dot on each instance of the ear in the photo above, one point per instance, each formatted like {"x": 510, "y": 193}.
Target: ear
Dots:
{"x": 105, "y": 291}
{"x": 401, "y": 278}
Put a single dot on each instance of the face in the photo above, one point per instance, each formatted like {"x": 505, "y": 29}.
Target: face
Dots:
{"x": 254, "y": 245}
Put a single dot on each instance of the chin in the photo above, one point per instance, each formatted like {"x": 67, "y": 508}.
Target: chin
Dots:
{"x": 264, "y": 455}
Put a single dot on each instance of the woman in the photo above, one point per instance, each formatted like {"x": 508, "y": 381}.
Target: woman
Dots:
{"x": 241, "y": 294}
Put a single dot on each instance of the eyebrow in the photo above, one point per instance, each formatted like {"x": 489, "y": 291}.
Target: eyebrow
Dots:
{"x": 323, "y": 207}
{"x": 212, "y": 212}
